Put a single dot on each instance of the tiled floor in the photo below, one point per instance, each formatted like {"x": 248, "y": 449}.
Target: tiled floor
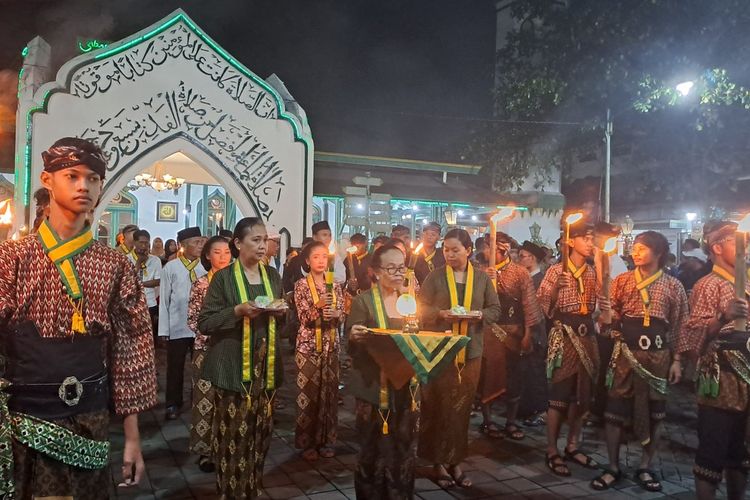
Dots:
{"x": 499, "y": 469}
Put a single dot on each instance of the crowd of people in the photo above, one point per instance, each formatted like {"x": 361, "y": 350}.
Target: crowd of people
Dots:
{"x": 571, "y": 336}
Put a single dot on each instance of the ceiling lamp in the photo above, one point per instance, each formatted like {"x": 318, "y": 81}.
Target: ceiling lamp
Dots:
{"x": 158, "y": 182}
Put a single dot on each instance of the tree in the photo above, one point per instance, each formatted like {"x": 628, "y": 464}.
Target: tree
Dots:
{"x": 570, "y": 61}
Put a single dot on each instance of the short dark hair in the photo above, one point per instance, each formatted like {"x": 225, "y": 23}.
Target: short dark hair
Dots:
{"x": 690, "y": 242}
{"x": 244, "y": 226}
{"x": 658, "y": 244}
{"x": 377, "y": 256}
{"x": 213, "y": 240}
{"x": 461, "y": 235}
{"x": 381, "y": 239}
{"x": 399, "y": 228}
{"x": 140, "y": 233}
{"x": 358, "y": 238}
{"x": 41, "y": 197}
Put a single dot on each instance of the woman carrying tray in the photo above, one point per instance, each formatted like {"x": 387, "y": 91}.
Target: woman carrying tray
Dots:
{"x": 456, "y": 298}
{"x": 243, "y": 362}
{"x": 386, "y": 418}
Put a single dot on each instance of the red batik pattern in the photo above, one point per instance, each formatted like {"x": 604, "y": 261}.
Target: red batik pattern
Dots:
{"x": 308, "y": 314}
{"x": 115, "y": 306}
{"x": 666, "y": 296}
{"x": 514, "y": 280}
{"x": 710, "y": 297}
{"x": 567, "y": 299}
{"x": 195, "y": 302}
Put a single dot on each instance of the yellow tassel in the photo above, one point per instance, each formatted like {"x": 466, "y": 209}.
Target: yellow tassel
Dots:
{"x": 413, "y": 405}
{"x": 318, "y": 340}
{"x": 270, "y": 408}
{"x": 77, "y": 324}
{"x": 647, "y": 320}
{"x": 584, "y": 308}
{"x": 385, "y": 427}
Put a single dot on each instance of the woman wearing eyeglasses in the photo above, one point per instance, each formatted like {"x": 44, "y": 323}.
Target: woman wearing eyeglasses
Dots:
{"x": 446, "y": 401}
{"x": 385, "y": 464}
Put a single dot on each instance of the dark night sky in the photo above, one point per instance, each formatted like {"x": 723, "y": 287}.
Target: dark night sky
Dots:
{"x": 365, "y": 71}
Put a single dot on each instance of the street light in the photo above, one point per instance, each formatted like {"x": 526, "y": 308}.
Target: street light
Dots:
{"x": 683, "y": 89}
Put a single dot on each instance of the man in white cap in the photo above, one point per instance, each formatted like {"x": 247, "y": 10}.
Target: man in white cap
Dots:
{"x": 272, "y": 248}
{"x": 692, "y": 268}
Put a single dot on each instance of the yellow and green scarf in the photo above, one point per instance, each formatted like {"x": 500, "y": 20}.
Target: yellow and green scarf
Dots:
{"x": 461, "y": 327}
{"x": 319, "y": 322}
{"x": 243, "y": 291}
{"x": 578, "y": 275}
{"x": 642, "y": 286}
{"x": 61, "y": 253}
{"x": 190, "y": 266}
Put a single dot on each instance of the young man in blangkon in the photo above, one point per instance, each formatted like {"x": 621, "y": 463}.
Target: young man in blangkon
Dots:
{"x": 568, "y": 295}
{"x": 723, "y": 369}
{"x": 429, "y": 258}
{"x": 66, "y": 297}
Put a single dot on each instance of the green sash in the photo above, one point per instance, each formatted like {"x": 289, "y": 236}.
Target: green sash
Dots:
{"x": 61, "y": 253}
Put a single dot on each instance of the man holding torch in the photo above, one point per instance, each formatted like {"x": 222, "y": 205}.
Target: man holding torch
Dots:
{"x": 66, "y": 297}
{"x": 510, "y": 338}
{"x": 717, "y": 332}
{"x": 568, "y": 295}
{"x": 428, "y": 258}
{"x": 649, "y": 309}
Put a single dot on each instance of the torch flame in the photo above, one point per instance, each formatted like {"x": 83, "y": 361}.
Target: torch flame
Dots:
{"x": 352, "y": 249}
{"x": 418, "y": 249}
{"x": 573, "y": 218}
{"x": 610, "y": 245}
{"x": 744, "y": 224}
{"x": 6, "y": 216}
{"x": 503, "y": 214}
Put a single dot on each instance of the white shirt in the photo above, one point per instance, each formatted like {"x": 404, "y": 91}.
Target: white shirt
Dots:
{"x": 174, "y": 291}
{"x": 152, "y": 272}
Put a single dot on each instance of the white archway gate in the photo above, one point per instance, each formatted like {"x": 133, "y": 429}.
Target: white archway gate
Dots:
{"x": 171, "y": 88}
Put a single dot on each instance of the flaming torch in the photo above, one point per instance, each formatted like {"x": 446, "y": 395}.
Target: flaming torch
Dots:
{"x": 415, "y": 255}
{"x": 569, "y": 221}
{"x": 329, "y": 272}
{"x": 740, "y": 266}
{"x": 6, "y": 219}
{"x": 499, "y": 217}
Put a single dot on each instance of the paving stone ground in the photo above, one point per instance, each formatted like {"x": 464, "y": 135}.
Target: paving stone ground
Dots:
{"x": 499, "y": 469}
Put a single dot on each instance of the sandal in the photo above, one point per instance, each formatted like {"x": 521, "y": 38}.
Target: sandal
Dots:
{"x": 514, "y": 432}
{"x": 205, "y": 464}
{"x": 443, "y": 479}
{"x": 556, "y": 464}
{"x": 462, "y": 480}
{"x": 600, "y": 484}
{"x": 491, "y": 430}
{"x": 327, "y": 453}
{"x": 310, "y": 455}
{"x": 586, "y": 461}
{"x": 649, "y": 483}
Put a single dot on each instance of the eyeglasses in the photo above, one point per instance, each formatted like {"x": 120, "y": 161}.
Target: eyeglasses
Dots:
{"x": 392, "y": 271}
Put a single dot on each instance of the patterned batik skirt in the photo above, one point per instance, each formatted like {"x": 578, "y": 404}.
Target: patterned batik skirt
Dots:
{"x": 386, "y": 463}
{"x": 39, "y": 476}
{"x": 317, "y": 400}
{"x": 202, "y": 413}
{"x": 446, "y": 408}
{"x": 241, "y": 434}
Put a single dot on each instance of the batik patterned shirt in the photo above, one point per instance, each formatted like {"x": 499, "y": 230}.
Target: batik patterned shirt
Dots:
{"x": 114, "y": 305}
{"x": 195, "y": 303}
{"x": 667, "y": 299}
{"x": 514, "y": 280}
{"x": 308, "y": 314}
{"x": 568, "y": 300}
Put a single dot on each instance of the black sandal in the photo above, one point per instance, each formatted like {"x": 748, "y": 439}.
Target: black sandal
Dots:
{"x": 589, "y": 462}
{"x": 599, "y": 484}
{"x": 491, "y": 430}
{"x": 651, "y": 484}
{"x": 556, "y": 464}
{"x": 514, "y": 432}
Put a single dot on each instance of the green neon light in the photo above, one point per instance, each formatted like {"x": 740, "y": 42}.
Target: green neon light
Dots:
{"x": 25, "y": 52}
{"x": 85, "y": 46}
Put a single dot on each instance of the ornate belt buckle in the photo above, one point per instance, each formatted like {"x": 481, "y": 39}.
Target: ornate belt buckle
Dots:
{"x": 66, "y": 388}
{"x": 511, "y": 311}
{"x": 644, "y": 342}
{"x": 583, "y": 329}
{"x": 658, "y": 341}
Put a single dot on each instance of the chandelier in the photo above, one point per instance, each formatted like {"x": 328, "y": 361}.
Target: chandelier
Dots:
{"x": 158, "y": 182}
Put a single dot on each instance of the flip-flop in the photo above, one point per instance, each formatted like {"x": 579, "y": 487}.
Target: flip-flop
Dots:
{"x": 652, "y": 484}
{"x": 589, "y": 462}
{"x": 463, "y": 481}
{"x": 446, "y": 480}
